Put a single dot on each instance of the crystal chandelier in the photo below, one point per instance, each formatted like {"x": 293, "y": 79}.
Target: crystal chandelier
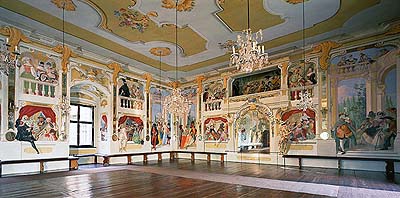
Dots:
{"x": 305, "y": 97}
{"x": 9, "y": 60}
{"x": 250, "y": 56}
{"x": 305, "y": 101}
{"x": 176, "y": 103}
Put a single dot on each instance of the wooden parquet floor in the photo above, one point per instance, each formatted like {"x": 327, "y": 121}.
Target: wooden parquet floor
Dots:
{"x": 180, "y": 178}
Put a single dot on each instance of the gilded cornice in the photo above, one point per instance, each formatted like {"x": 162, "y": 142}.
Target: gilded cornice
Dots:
{"x": 393, "y": 29}
{"x": 325, "y": 49}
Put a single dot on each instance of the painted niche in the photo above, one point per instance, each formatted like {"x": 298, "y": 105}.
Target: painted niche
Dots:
{"x": 39, "y": 73}
{"x": 216, "y": 129}
{"x": 187, "y": 131}
{"x": 161, "y": 120}
{"x": 253, "y": 130}
{"x": 213, "y": 95}
{"x": 41, "y": 122}
{"x": 257, "y": 83}
{"x": 131, "y": 93}
{"x": 301, "y": 75}
{"x": 301, "y": 125}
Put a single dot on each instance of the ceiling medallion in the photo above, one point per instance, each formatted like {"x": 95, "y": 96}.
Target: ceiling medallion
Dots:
{"x": 250, "y": 56}
{"x": 180, "y": 5}
{"x": 67, "y": 4}
{"x": 160, "y": 51}
{"x": 295, "y": 1}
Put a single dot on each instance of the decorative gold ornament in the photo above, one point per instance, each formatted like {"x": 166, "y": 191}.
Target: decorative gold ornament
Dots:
{"x": 116, "y": 70}
{"x": 66, "y": 54}
{"x": 67, "y": 4}
{"x": 148, "y": 77}
{"x": 15, "y": 36}
{"x": 199, "y": 80}
{"x": 160, "y": 51}
{"x": 103, "y": 103}
{"x": 393, "y": 29}
{"x": 295, "y": 1}
{"x": 325, "y": 49}
{"x": 183, "y": 5}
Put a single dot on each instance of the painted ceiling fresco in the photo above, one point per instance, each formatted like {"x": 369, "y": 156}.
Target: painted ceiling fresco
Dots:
{"x": 128, "y": 30}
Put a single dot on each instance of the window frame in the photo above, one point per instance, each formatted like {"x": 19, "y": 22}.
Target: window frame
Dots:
{"x": 78, "y": 122}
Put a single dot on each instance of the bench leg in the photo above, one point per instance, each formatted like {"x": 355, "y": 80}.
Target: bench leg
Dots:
{"x": 390, "y": 170}
{"x": 73, "y": 164}
{"x": 192, "y": 157}
{"x": 159, "y": 157}
{"x": 129, "y": 159}
{"x": 171, "y": 156}
{"x": 1, "y": 168}
{"x": 41, "y": 166}
{"x": 208, "y": 158}
{"x": 95, "y": 159}
{"x": 222, "y": 159}
{"x": 144, "y": 158}
{"x": 106, "y": 161}
{"x": 339, "y": 164}
{"x": 300, "y": 165}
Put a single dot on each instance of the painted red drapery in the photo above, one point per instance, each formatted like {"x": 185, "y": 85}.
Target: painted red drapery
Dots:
{"x": 310, "y": 113}
{"x": 134, "y": 118}
{"x": 30, "y": 110}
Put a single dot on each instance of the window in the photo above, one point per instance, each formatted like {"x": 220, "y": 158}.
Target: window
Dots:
{"x": 81, "y": 129}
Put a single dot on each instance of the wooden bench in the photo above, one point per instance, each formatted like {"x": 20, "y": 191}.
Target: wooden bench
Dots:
{"x": 106, "y": 157}
{"x": 87, "y": 155}
{"x": 173, "y": 155}
{"x": 193, "y": 153}
{"x": 73, "y": 162}
{"x": 390, "y": 172}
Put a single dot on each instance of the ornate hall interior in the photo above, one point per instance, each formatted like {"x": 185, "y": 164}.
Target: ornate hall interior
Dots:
{"x": 199, "y": 98}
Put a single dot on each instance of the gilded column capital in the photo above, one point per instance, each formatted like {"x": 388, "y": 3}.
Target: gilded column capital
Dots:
{"x": 66, "y": 54}
{"x": 148, "y": 77}
{"x": 284, "y": 69}
{"x": 116, "y": 70}
{"x": 174, "y": 84}
{"x": 325, "y": 49}
{"x": 199, "y": 80}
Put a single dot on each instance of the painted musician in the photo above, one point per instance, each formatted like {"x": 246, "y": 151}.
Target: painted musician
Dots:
{"x": 343, "y": 131}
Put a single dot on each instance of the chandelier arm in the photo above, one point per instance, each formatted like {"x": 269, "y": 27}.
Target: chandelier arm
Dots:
{"x": 248, "y": 14}
{"x": 176, "y": 40}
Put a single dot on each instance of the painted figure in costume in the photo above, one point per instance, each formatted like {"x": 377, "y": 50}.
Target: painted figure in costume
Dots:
{"x": 124, "y": 89}
{"x": 344, "y": 131}
{"x": 154, "y": 136}
{"x": 24, "y": 134}
{"x": 123, "y": 139}
{"x": 284, "y": 141}
{"x": 191, "y": 136}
